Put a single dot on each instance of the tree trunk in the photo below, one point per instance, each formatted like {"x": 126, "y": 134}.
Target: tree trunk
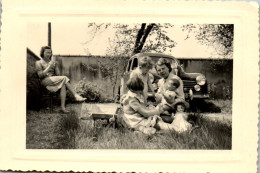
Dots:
{"x": 142, "y": 36}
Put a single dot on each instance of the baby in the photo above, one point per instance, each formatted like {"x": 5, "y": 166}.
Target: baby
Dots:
{"x": 169, "y": 95}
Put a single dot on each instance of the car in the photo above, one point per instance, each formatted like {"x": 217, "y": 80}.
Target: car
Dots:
{"x": 194, "y": 84}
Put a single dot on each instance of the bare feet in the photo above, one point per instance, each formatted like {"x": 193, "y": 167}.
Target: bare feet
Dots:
{"x": 147, "y": 130}
{"x": 154, "y": 120}
{"x": 63, "y": 110}
{"x": 79, "y": 98}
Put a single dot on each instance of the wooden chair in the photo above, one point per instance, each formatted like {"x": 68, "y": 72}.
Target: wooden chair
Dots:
{"x": 46, "y": 93}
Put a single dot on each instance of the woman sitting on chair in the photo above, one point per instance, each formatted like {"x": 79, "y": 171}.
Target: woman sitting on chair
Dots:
{"x": 48, "y": 71}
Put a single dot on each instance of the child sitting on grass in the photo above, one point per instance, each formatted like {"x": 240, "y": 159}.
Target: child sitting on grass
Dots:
{"x": 136, "y": 115}
{"x": 180, "y": 123}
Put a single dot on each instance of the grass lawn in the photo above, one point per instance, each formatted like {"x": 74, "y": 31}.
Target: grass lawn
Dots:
{"x": 66, "y": 131}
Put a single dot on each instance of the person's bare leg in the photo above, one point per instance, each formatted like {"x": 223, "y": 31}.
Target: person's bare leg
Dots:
{"x": 63, "y": 98}
{"x": 163, "y": 126}
{"x": 70, "y": 88}
{"x": 77, "y": 97}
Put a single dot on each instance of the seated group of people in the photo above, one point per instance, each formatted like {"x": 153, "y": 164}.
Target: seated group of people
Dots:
{"x": 169, "y": 114}
{"x": 137, "y": 115}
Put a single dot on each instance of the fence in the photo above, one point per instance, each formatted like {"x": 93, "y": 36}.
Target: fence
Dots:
{"x": 219, "y": 73}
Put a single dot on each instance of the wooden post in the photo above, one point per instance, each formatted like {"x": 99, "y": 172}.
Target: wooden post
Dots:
{"x": 49, "y": 34}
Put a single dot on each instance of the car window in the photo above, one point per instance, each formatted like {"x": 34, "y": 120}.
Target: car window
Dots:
{"x": 129, "y": 65}
{"x": 135, "y": 64}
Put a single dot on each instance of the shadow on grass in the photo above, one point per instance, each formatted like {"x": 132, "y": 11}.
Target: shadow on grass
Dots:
{"x": 204, "y": 106}
{"x": 69, "y": 125}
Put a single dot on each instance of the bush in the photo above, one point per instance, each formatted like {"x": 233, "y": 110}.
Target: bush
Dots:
{"x": 90, "y": 90}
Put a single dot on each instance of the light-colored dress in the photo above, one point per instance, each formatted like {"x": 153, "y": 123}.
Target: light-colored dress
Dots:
{"x": 180, "y": 123}
{"x": 51, "y": 82}
{"x": 132, "y": 118}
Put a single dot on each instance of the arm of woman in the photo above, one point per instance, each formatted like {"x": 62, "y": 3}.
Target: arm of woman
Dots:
{"x": 134, "y": 104}
{"x": 57, "y": 70}
{"x": 150, "y": 85}
{"x": 180, "y": 90}
{"x": 42, "y": 73}
{"x": 158, "y": 95}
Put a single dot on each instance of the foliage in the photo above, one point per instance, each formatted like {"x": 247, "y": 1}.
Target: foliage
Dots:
{"x": 88, "y": 90}
{"x": 134, "y": 38}
{"x": 218, "y": 35}
{"x": 112, "y": 68}
{"x": 92, "y": 91}
{"x": 158, "y": 41}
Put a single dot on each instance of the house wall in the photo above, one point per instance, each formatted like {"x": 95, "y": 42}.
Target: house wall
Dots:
{"x": 32, "y": 83}
{"x": 219, "y": 74}
{"x": 94, "y": 69}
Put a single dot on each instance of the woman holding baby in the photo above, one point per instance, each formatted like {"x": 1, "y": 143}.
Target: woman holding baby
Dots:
{"x": 170, "y": 88}
{"x": 170, "y": 95}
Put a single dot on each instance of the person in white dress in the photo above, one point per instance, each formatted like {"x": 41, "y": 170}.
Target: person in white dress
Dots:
{"x": 180, "y": 123}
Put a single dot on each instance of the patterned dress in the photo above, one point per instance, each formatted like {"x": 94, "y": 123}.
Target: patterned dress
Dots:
{"x": 132, "y": 118}
{"x": 50, "y": 81}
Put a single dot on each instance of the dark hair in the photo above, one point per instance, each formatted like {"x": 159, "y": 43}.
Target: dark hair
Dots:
{"x": 163, "y": 61}
{"x": 174, "y": 82}
{"x": 182, "y": 104}
{"x": 43, "y": 48}
{"x": 135, "y": 84}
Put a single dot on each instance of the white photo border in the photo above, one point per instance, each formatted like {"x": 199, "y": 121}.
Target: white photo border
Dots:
{"x": 242, "y": 157}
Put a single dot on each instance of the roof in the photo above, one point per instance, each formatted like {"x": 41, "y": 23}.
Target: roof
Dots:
{"x": 153, "y": 54}
{"x": 32, "y": 53}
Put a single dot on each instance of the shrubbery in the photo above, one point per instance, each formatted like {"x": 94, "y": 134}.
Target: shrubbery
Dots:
{"x": 91, "y": 90}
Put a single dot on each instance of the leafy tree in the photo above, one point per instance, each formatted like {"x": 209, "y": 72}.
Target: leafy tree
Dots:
{"x": 220, "y": 36}
{"x": 134, "y": 38}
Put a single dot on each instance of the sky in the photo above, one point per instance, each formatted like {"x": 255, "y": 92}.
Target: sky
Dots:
{"x": 69, "y": 39}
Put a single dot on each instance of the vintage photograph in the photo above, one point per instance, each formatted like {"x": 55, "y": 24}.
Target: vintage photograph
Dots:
{"x": 129, "y": 86}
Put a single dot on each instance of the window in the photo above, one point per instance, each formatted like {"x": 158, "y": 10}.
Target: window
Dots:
{"x": 135, "y": 64}
{"x": 129, "y": 65}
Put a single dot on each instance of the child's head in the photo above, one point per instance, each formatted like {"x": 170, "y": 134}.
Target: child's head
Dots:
{"x": 173, "y": 84}
{"x": 135, "y": 84}
{"x": 180, "y": 107}
{"x": 145, "y": 63}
